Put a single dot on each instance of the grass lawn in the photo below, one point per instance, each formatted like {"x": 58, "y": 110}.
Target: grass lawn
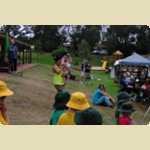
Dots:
{"x": 42, "y": 58}
{"x": 90, "y": 86}
{"x": 34, "y": 93}
{"x": 46, "y": 60}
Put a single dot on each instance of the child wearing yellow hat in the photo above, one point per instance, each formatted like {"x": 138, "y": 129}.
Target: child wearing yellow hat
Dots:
{"x": 77, "y": 102}
{"x": 4, "y": 92}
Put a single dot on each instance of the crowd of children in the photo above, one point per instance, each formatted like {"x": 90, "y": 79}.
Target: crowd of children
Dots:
{"x": 76, "y": 108}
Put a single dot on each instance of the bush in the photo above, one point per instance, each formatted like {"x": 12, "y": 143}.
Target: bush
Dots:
{"x": 77, "y": 61}
{"x": 58, "y": 53}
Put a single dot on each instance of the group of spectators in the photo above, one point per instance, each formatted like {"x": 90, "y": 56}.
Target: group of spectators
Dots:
{"x": 137, "y": 82}
{"x": 74, "y": 109}
{"x": 77, "y": 109}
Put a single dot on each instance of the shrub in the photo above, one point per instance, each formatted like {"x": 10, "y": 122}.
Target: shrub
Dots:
{"x": 58, "y": 53}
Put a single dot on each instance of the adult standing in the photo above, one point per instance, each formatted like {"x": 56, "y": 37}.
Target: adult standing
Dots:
{"x": 13, "y": 55}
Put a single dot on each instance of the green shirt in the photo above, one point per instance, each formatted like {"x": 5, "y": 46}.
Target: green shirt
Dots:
{"x": 55, "y": 116}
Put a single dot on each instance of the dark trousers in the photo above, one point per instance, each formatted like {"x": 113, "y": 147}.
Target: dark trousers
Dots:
{"x": 13, "y": 65}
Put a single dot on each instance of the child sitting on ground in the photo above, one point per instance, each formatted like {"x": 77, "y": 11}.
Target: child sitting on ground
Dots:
{"x": 4, "y": 92}
{"x": 77, "y": 102}
{"x": 89, "y": 116}
{"x": 101, "y": 97}
{"x": 125, "y": 117}
{"x": 122, "y": 98}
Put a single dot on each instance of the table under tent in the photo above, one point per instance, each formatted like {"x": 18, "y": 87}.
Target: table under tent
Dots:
{"x": 24, "y": 52}
{"x": 135, "y": 64}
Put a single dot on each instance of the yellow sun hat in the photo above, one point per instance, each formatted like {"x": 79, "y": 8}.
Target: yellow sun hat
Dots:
{"x": 4, "y": 90}
{"x": 78, "y": 101}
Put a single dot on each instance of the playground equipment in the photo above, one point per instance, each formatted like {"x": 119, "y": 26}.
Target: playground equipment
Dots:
{"x": 24, "y": 52}
{"x": 103, "y": 67}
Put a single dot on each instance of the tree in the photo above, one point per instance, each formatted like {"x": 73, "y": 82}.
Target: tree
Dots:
{"x": 84, "y": 49}
{"x": 119, "y": 37}
{"x": 47, "y": 37}
{"x": 91, "y": 34}
{"x": 88, "y": 33}
{"x": 18, "y": 31}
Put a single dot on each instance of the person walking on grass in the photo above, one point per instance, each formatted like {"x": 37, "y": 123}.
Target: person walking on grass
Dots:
{"x": 77, "y": 102}
{"x": 60, "y": 107}
{"x": 85, "y": 70}
{"x": 101, "y": 97}
{"x": 58, "y": 78}
{"x": 4, "y": 92}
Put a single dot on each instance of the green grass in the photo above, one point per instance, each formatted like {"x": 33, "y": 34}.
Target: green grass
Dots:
{"x": 46, "y": 60}
{"x": 107, "y": 81}
{"x": 42, "y": 58}
{"x": 99, "y": 77}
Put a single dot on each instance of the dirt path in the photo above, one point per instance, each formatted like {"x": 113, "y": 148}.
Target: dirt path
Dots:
{"x": 33, "y": 99}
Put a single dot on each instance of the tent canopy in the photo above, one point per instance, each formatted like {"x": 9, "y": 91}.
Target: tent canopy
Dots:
{"x": 135, "y": 59}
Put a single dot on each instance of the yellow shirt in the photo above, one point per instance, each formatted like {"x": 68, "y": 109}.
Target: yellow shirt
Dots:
{"x": 2, "y": 120}
{"x": 58, "y": 78}
{"x": 67, "y": 118}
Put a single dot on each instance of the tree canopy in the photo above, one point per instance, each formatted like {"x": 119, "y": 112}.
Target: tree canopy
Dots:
{"x": 126, "y": 38}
